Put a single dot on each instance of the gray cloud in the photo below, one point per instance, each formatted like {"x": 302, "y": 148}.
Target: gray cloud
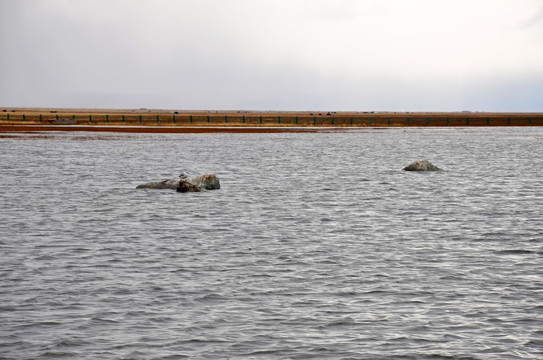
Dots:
{"x": 535, "y": 19}
{"x": 257, "y": 54}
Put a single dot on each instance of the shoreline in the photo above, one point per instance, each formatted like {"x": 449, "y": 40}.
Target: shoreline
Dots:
{"x": 196, "y": 121}
{"x": 18, "y": 128}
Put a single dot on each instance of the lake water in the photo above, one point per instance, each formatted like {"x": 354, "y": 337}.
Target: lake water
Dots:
{"x": 317, "y": 245}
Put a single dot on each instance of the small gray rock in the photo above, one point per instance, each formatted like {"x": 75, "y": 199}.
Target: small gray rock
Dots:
{"x": 423, "y": 165}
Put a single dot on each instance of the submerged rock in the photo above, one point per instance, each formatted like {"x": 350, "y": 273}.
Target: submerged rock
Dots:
{"x": 185, "y": 183}
{"x": 423, "y": 165}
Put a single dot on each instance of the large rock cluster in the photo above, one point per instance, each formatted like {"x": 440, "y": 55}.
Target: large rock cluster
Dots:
{"x": 185, "y": 183}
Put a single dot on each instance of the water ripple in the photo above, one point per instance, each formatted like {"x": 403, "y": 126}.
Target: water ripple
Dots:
{"x": 316, "y": 246}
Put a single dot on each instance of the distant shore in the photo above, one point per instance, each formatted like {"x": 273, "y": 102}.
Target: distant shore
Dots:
{"x": 179, "y": 121}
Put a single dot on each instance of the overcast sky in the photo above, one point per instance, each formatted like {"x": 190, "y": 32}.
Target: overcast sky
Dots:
{"x": 411, "y": 55}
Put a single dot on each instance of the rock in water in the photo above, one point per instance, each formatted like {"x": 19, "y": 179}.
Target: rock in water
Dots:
{"x": 166, "y": 184}
{"x": 185, "y": 186}
{"x": 185, "y": 183}
{"x": 207, "y": 182}
{"x": 423, "y": 165}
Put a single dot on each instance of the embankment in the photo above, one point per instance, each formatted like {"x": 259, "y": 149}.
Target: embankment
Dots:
{"x": 200, "y": 120}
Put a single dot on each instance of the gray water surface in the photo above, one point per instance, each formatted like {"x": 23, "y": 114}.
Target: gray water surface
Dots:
{"x": 316, "y": 246}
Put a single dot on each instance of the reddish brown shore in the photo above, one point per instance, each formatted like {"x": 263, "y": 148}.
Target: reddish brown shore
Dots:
{"x": 154, "y": 129}
{"x": 200, "y": 121}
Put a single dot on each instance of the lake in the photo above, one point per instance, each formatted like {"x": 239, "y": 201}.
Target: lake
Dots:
{"x": 317, "y": 245}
